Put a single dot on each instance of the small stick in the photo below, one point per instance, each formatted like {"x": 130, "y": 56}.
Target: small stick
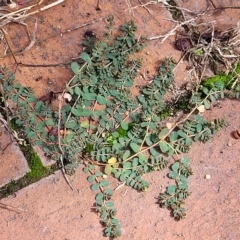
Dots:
{"x": 119, "y": 186}
{"x": 172, "y": 32}
{"x": 54, "y": 35}
{"x": 59, "y": 141}
{"x": 11, "y": 208}
{"x": 124, "y": 193}
{"x": 130, "y": 9}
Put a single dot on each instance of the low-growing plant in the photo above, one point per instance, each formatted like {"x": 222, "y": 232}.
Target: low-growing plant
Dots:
{"x": 100, "y": 126}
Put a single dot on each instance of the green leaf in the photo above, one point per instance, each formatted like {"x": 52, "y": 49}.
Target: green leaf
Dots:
{"x": 199, "y": 127}
{"x": 91, "y": 179}
{"x": 141, "y": 98}
{"x": 213, "y": 99}
{"x": 31, "y": 134}
{"x": 134, "y": 147}
{"x": 173, "y": 175}
{"x": 71, "y": 124}
{"x": 88, "y": 96}
{"x": 75, "y": 67}
{"x": 175, "y": 167}
{"x": 122, "y": 178}
{"x": 94, "y": 80}
{"x": 109, "y": 204}
{"x": 163, "y": 133}
{"x": 185, "y": 161}
{"x": 99, "y": 198}
{"x": 101, "y": 100}
{"x": 206, "y": 104}
{"x": 127, "y": 165}
{"x": 85, "y": 57}
{"x": 126, "y": 155}
{"x": 148, "y": 140}
{"x": 98, "y": 174}
{"x": 205, "y": 90}
{"x": 108, "y": 169}
{"x": 95, "y": 186}
{"x": 50, "y": 122}
{"x": 77, "y": 90}
{"x": 183, "y": 179}
{"x": 143, "y": 157}
{"x": 84, "y": 124}
{"x": 163, "y": 146}
{"x": 92, "y": 166}
{"x": 114, "y": 221}
{"x": 81, "y": 112}
{"x": 181, "y": 133}
{"x": 129, "y": 42}
{"x": 144, "y": 124}
{"x": 86, "y": 170}
{"x": 124, "y": 125}
{"x": 39, "y": 105}
{"x": 104, "y": 183}
{"x": 76, "y": 112}
{"x": 171, "y": 189}
{"x": 188, "y": 142}
{"x": 135, "y": 162}
{"x": 109, "y": 192}
{"x": 173, "y": 136}
{"x": 154, "y": 152}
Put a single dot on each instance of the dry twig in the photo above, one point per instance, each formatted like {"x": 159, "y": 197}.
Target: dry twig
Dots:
{"x": 59, "y": 141}
{"x": 11, "y": 208}
{"x": 20, "y": 17}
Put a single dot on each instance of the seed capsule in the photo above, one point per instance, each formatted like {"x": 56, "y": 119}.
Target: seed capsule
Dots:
{"x": 182, "y": 44}
{"x": 236, "y": 134}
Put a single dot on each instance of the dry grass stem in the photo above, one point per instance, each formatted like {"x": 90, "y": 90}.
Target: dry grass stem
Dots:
{"x": 130, "y": 10}
{"x": 11, "y": 208}
{"x": 59, "y": 141}
{"x": 19, "y": 16}
{"x": 173, "y": 31}
{"x": 141, "y": 5}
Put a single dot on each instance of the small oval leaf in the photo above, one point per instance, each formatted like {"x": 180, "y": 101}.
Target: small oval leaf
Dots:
{"x": 95, "y": 186}
{"x": 164, "y": 147}
{"x": 163, "y": 133}
{"x": 112, "y": 160}
{"x": 101, "y": 100}
{"x": 75, "y": 67}
{"x": 126, "y": 155}
{"x": 124, "y": 125}
{"x": 108, "y": 169}
{"x": 85, "y": 57}
{"x": 134, "y": 147}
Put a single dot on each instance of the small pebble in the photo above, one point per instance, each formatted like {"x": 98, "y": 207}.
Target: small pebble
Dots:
{"x": 207, "y": 176}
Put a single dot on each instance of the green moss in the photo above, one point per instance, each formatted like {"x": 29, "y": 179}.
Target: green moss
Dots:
{"x": 225, "y": 79}
{"x": 37, "y": 172}
{"x": 14, "y": 125}
{"x": 176, "y": 13}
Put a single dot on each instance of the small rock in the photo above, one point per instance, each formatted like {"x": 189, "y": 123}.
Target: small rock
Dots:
{"x": 208, "y": 176}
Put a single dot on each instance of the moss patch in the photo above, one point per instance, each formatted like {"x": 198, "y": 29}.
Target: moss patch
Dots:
{"x": 175, "y": 12}
{"x": 225, "y": 79}
{"x": 38, "y": 171}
